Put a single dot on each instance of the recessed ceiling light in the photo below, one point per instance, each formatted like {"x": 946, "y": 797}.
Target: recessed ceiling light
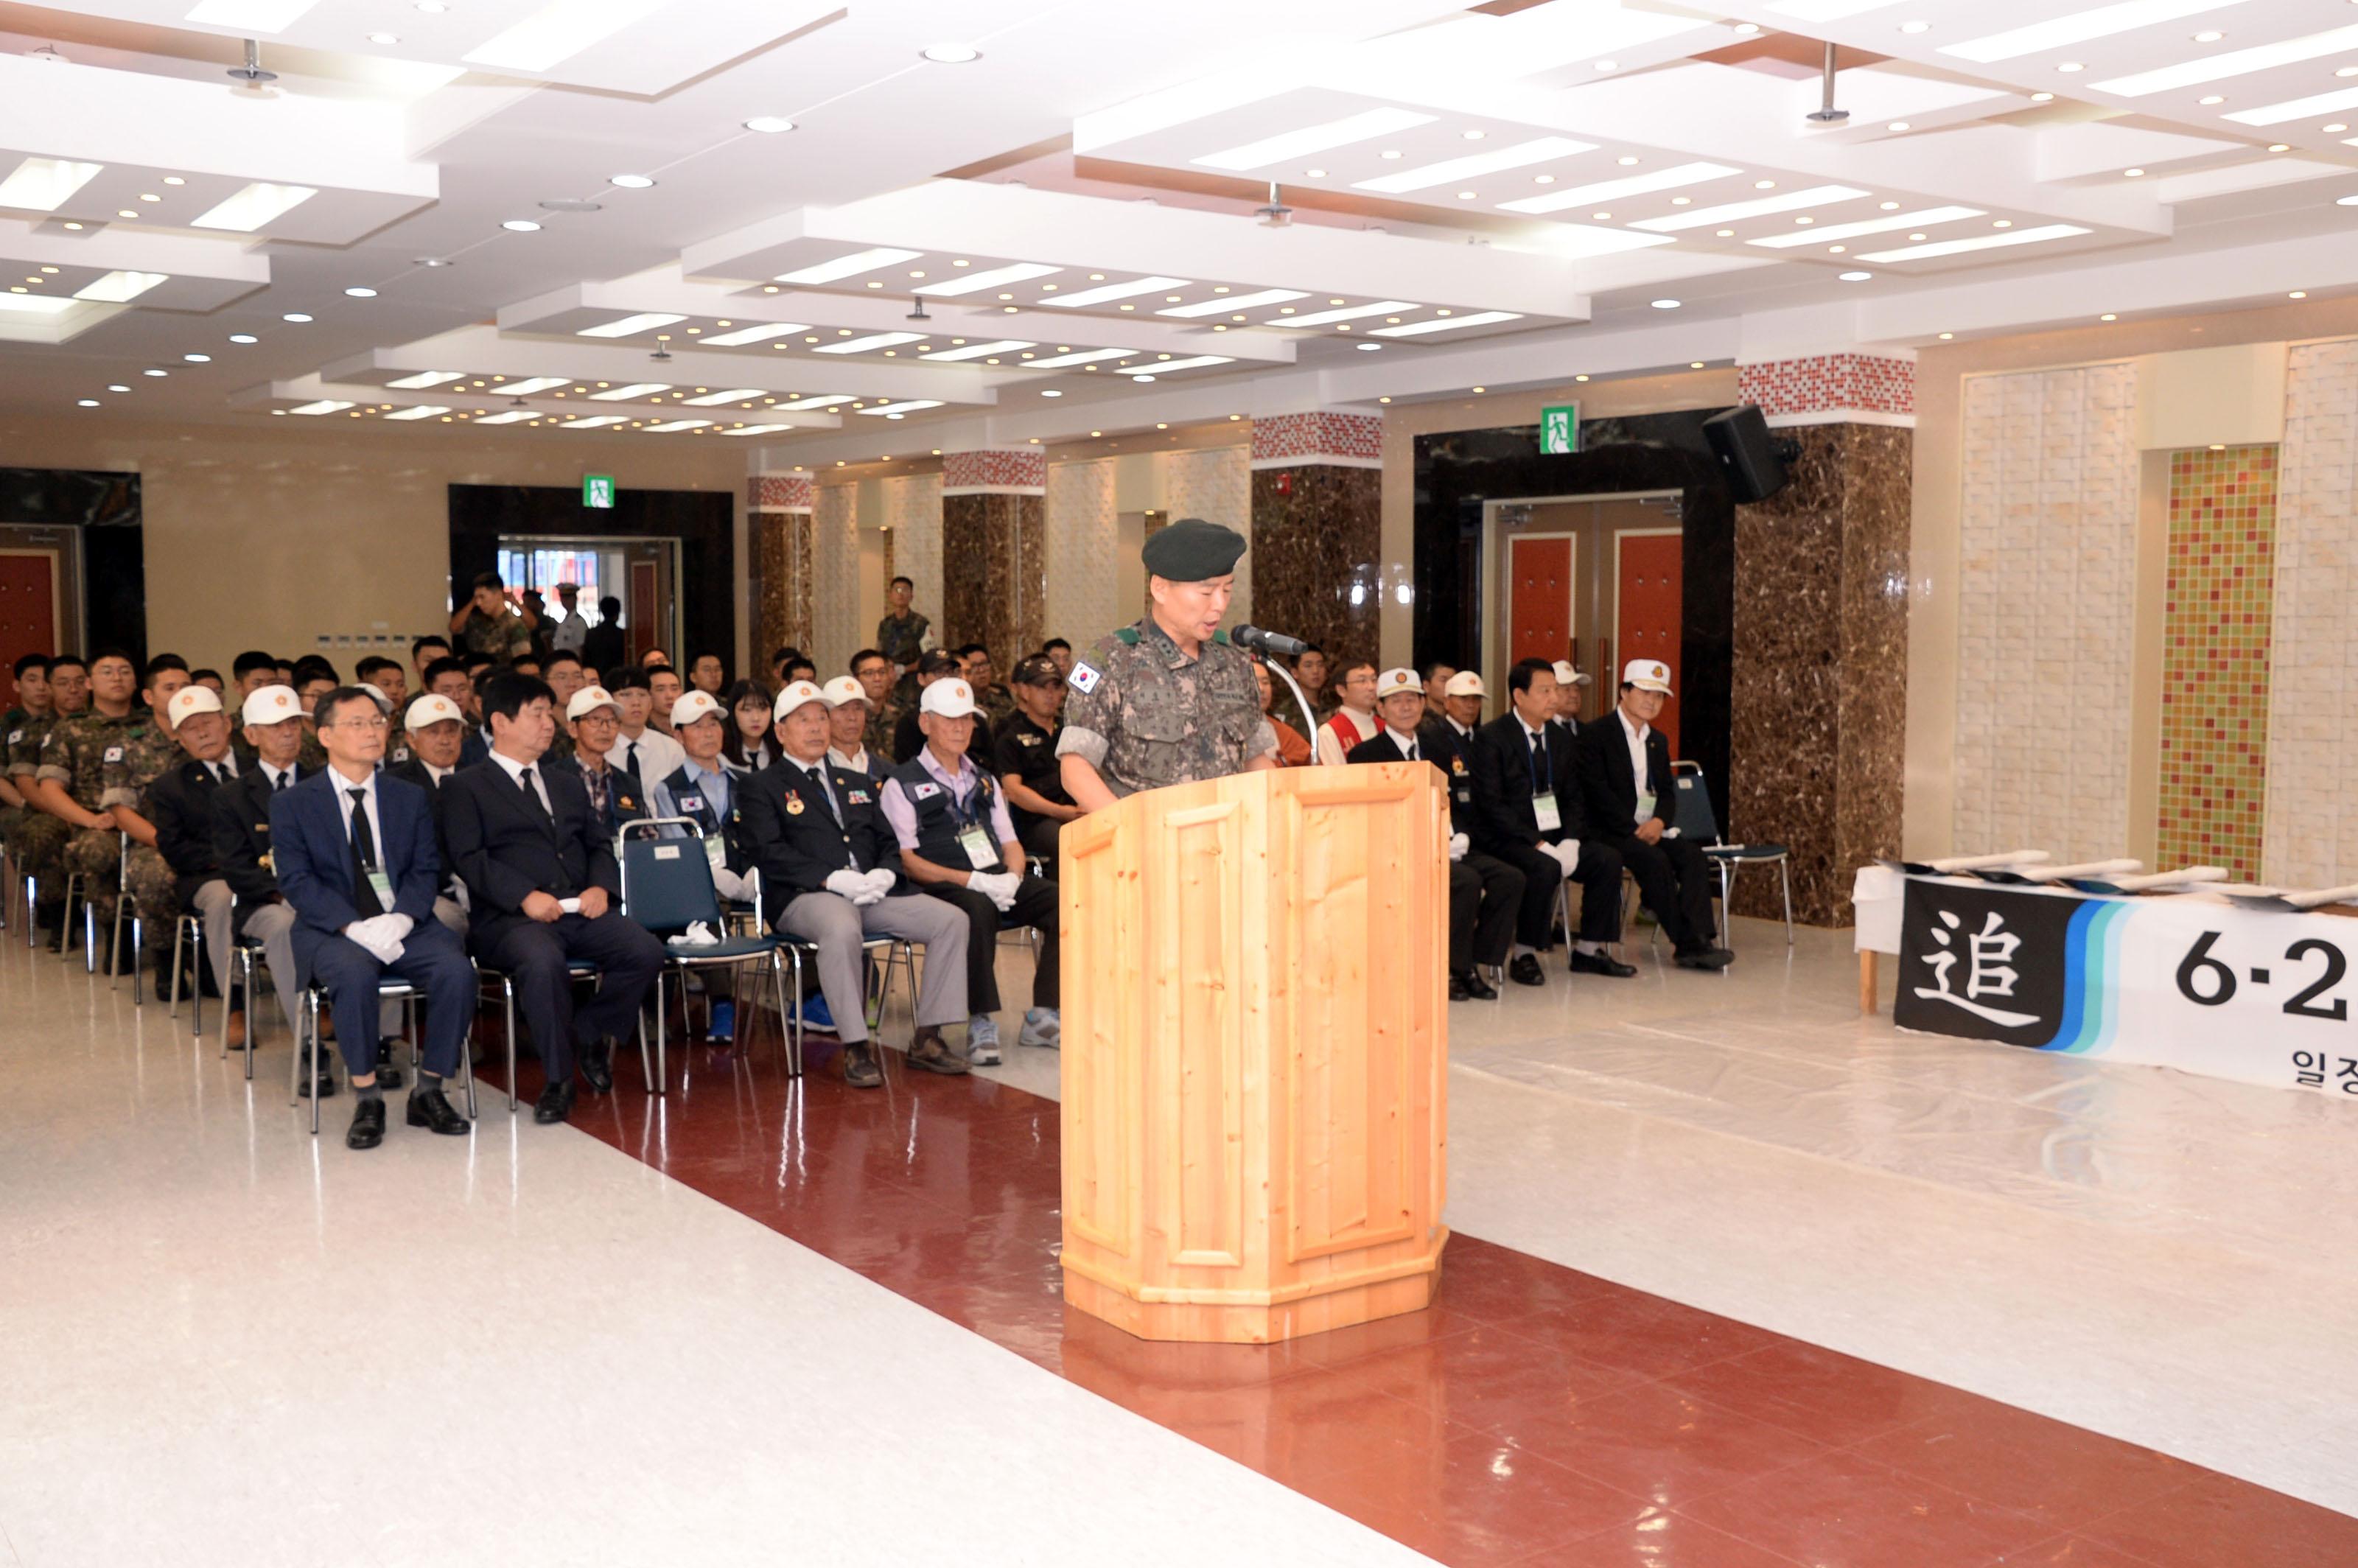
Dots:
{"x": 295, "y": 316}
{"x": 1627, "y": 162}
{"x": 2003, "y": 223}
{"x": 359, "y": 293}
{"x": 2069, "y": 67}
{"x": 125, "y": 212}
{"x": 1915, "y": 27}
{"x": 117, "y": 386}
{"x": 1897, "y": 125}
{"x": 2346, "y": 201}
{"x": 1837, "y": 250}
{"x": 2335, "y": 130}
{"x": 629, "y": 181}
{"x": 2298, "y": 294}
{"x": 1764, "y": 185}
{"x": 1725, "y": 233}
{"x": 1315, "y": 173}
{"x": 1369, "y": 348}
{"x": 1466, "y": 196}
{"x": 1746, "y": 28}
{"x": 174, "y": 179}
{"x": 432, "y": 8}
{"x": 244, "y": 338}
{"x": 1695, "y": 364}
{"x": 2108, "y": 316}
{"x": 2042, "y": 98}
{"x": 1856, "y": 276}
{"x": 951, "y": 54}
{"x": 1664, "y": 304}
{"x": 769, "y": 124}
{"x": 383, "y": 38}
{"x": 2280, "y": 148}
{"x": 154, "y": 372}
{"x": 2211, "y": 99}
{"x": 521, "y": 226}
{"x": 1474, "y": 136}
{"x": 197, "y": 358}
{"x": 1390, "y": 152}
{"x": 1946, "y": 335}
{"x": 2208, "y": 37}
{"x": 1543, "y": 179}
{"x": 149, "y": 196}
{"x": 85, "y": 402}
{"x": 1608, "y": 65}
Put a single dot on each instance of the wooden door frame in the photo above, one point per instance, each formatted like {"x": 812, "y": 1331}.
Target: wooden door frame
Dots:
{"x": 1494, "y": 538}
{"x": 1612, "y": 678}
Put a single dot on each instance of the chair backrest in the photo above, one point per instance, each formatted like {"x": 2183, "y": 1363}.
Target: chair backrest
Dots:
{"x": 1691, "y": 813}
{"x": 667, "y": 881}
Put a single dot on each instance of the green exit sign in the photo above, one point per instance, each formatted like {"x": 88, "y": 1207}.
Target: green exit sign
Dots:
{"x": 597, "y": 490}
{"x": 1560, "y": 430}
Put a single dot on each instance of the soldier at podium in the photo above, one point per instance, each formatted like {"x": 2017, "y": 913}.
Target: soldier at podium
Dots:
{"x": 1168, "y": 701}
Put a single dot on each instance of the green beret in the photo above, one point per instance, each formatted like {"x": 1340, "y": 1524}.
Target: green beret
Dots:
{"x": 1192, "y": 551}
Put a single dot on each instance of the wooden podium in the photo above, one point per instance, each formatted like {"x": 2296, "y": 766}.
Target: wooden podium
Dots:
{"x": 1255, "y": 1037}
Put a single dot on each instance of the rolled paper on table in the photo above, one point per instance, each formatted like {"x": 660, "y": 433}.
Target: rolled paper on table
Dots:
{"x": 2107, "y": 869}
{"x": 2319, "y": 899}
{"x": 1977, "y": 862}
{"x": 2185, "y": 876}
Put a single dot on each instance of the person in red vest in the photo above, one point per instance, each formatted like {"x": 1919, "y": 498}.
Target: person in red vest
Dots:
{"x": 1355, "y": 721}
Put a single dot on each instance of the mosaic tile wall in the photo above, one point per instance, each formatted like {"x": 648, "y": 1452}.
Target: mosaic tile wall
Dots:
{"x": 1214, "y": 484}
{"x": 1083, "y": 534}
{"x": 913, "y": 510}
{"x": 836, "y": 633}
{"x": 2217, "y": 613}
{"x": 2046, "y": 593}
{"x": 2311, "y": 836}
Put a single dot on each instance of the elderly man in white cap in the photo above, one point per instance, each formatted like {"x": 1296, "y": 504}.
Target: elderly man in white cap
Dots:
{"x": 1625, "y": 775}
{"x": 702, "y": 790}
{"x": 958, "y": 843}
{"x": 272, "y": 721}
{"x": 829, "y": 863}
{"x": 593, "y": 717}
{"x": 1571, "y": 694}
{"x": 435, "y": 731}
{"x": 173, "y": 820}
{"x": 848, "y": 709}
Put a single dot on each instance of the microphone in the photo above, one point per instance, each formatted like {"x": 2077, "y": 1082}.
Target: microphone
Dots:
{"x": 1269, "y": 642}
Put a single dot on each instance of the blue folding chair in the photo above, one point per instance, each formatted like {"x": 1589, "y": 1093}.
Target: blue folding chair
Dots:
{"x": 667, "y": 887}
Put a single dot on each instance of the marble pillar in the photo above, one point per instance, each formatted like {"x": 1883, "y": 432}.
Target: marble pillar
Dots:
{"x": 1819, "y": 667}
{"x": 779, "y": 534}
{"x": 1318, "y": 529}
{"x": 995, "y": 551}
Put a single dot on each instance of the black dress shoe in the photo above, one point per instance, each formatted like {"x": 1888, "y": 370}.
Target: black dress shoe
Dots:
{"x": 368, "y": 1124}
{"x": 388, "y": 1076}
{"x": 1525, "y": 970}
{"x": 1705, "y": 958}
{"x": 1457, "y": 991}
{"x": 326, "y": 1080}
{"x": 1479, "y": 989}
{"x": 598, "y": 1065}
{"x": 556, "y": 1104}
{"x": 1600, "y": 964}
{"x": 860, "y": 1069}
{"x": 429, "y": 1109}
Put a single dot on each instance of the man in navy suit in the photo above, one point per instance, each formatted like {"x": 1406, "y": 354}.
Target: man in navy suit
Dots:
{"x": 543, "y": 890}
{"x": 354, "y": 855}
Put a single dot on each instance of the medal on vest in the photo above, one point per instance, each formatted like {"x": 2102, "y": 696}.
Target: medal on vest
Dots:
{"x": 794, "y": 806}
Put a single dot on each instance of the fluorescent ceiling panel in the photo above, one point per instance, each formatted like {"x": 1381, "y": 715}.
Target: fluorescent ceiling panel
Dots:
{"x": 744, "y": 335}
{"x": 800, "y": 404}
{"x": 1545, "y": 149}
{"x": 910, "y": 406}
{"x": 511, "y": 416}
{"x": 35, "y": 304}
{"x": 756, "y": 430}
{"x": 250, "y": 208}
{"x": 250, "y": 16}
{"x": 2296, "y": 108}
{"x": 1828, "y": 10}
{"x": 1349, "y": 313}
{"x": 636, "y": 389}
{"x": 1162, "y": 367}
{"x": 526, "y": 388}
{"x": 423, "y": 411}
{"x": 324, "y": 406}
{"x": 1445, "y": 324}
{"x": 997, "y": 278}
{"x": 1883, "y": 225}
{"x": 2058, "y": 32}
{"x": 668, "y": 425}
{"x": 41, "y": 184}
{"x": 874, "y": 340}
{"x": 1615, "y": 190}
{"x": 557, "y": 32}
{"x": 427, "y": 378}
{"x": 1787, "y": 201}
{"x": 852, "y": 265}
{"x": 1087, "y": 356}
{"x": 2235, "y": 62}
{"x": 627, "y": 324}
{"x": 1236, "y": 302}
{"x": 1315, "y": 138}
{"x": 1113, "y": 291}
{"x": 982, "y": 351}
{"x": 714, "y": 399}
{"x": 592, "y": 421}
{"x": 1984, "y": 243}
{"x": 118, "y": 287}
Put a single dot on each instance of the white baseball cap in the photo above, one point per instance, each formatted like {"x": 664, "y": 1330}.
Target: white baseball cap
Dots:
{"x": 1647, "y": 675}
{"x": 1393, "y": 681}
{"x": 951, "y": 698}
{"x": 1566, "y": 676}
{"x": 1465, "y": 683}
{"x": 588, "y": 698}
{"x": 843, "y": 689}
{"x": 189, "y": 701}
{"x": 695, "y": 705}
{"x": 796, "y": 694}
{"x": 383, "y": 703}
{"x": 271, "y": 705}
{"x": 431, "y": 708}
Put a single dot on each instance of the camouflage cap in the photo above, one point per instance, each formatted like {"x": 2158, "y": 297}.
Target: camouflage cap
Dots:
{"x": 1192, "y": 551}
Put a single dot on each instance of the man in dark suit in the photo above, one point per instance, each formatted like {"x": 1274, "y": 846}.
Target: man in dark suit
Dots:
{"x": 829, "y": 862}
{"x": 1529, "y": 804}
{"x": 601, "y": 646}
{"x": 543, "y": 889}
{"x": 1634, "y": 818}
{"x": 356, "y": 861}
{"x": 1485, "y": 892}
{"x": 273, "y": 726}
{"x": 178, "y": 802}
{"x": 436, "y": 732}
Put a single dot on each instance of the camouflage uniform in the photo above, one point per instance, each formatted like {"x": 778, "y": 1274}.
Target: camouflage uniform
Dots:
{"x": 998, "y": 705}
{"x": 501, "y": 637}
{"x": 35, "y": 840}
{"x": 124, "y": 778}
{"x": 75, "y": 755}
{"x": 561, "y": 748}
{"x": 312, "y": 757}
{"x": 884, "y": 718}
{"x": 1146, "y": 715}
{"x": 902, "y": 640}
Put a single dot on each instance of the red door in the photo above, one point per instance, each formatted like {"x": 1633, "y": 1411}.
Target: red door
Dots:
{"x": 1647, "y": 613}
{"x": 1538, "y": 599}
{"x": 29, "y": 606}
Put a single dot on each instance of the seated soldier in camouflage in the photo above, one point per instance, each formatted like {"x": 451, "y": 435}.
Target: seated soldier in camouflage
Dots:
{"x": 123, "y": 778}
{"x": 32, "y": 677}
{"x": 36, "y": 843}
{"x": 71, "y": 779}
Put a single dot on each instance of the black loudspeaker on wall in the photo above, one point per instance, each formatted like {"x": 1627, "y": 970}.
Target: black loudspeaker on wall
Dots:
{"x": 1754, "y": 461}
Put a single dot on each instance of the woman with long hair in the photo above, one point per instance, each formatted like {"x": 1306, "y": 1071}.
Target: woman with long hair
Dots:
{"x": 746, "y": 746}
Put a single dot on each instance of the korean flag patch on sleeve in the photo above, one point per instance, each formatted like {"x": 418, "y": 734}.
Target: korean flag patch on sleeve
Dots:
{"x": 114, "y": 754}
{"x": 1084, "y": 677}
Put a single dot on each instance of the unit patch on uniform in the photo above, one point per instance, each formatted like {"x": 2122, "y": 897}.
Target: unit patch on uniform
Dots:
{"x": 14, "y": 736}
{"x": 1084, "y": 677}
{"x": 114, "y": 754}
{"x": 856, "y": 796}
{"x": 1027, "y": 739}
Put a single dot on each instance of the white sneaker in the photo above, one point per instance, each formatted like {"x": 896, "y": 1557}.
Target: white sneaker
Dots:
{"x": 1042, "y": 1026}
{"x": 982, "y": 1040}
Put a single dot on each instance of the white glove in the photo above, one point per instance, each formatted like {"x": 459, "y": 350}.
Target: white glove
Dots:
{"x": 847, "y": 882}
{"x": 1000, "y": 887}
{"x": 880, "y": 882}
{"x": 1567, "y": 855}
{"x": 1458, "y": 844}
{"x": 380, "y": 935}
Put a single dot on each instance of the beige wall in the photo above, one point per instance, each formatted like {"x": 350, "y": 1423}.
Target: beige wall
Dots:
{"x": 275, "y": 532}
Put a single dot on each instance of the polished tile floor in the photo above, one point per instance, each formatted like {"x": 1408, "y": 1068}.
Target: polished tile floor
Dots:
{"x": 1739, "y": 1278}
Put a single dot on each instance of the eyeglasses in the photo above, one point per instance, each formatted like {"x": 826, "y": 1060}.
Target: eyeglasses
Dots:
{"x": 368, "y": 722}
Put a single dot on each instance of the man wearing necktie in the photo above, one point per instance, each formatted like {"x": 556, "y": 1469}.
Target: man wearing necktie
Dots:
{"x": 544, "y": 890}
{"x": 242, "y": 844}
{"x": 175, "y": 810}
{"x": 356, "y": 861}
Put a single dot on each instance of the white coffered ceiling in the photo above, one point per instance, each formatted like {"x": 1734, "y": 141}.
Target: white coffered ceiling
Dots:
{"x": 781, "y": 220}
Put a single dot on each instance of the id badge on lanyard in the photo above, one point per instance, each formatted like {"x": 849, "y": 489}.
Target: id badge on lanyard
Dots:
{"x": 979, "y": 850}
{"x": 715, "y": 851}
{"x": 1543, "y": 806}
{"x": 381, "y": 885}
